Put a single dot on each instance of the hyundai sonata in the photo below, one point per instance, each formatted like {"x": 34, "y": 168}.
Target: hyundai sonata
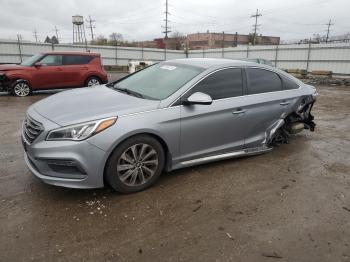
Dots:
{"x": 170, "y": 115}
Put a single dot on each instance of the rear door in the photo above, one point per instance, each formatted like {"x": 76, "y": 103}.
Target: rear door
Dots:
{"x": 216, "y": 128}
{"x": 49, "y": 74}
{"x": 266, "y": 103}
{"x": 75, "y": 68}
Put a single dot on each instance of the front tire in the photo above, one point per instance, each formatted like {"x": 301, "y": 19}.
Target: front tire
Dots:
{"x": 92, "y": 81}
{"x": 21, "y": 89}
{"x": 135, "y": 164}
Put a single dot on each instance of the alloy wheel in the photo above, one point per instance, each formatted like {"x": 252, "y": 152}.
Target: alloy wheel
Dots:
{"x": 137, "y": 164}
{"x": 93, "y": 82}
{"x": 21, "y": 89}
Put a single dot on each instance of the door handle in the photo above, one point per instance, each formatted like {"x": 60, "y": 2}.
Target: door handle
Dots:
{"x": 284, "y": 103}
{"x": 239, "y": 111}
{"x": 58, "y": 69}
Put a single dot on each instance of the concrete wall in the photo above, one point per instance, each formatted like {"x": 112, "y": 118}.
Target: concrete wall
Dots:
{"x": 332, "y": 56}
{"x": 14, "y": 52}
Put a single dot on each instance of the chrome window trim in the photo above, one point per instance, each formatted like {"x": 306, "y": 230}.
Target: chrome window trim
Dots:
{"x": 221, "y": 99}
{"x": 228, "y": 67}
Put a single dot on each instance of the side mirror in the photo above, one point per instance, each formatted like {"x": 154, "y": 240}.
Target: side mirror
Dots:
{"x": 38, "y": 64}
{"x": 199, "y": 98}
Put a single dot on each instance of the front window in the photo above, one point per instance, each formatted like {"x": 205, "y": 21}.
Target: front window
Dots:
{"x": 52, "y": 60}
{"x": 222, "y": 84}
{"x": 31, "y": 60}
{"x": 158, "y": 81}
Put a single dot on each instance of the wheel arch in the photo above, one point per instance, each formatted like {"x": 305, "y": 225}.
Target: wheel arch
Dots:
{"x": 15, "y": 76}
{"x": 13, "y": 82}
{"x": 91, "y": 75}
{"x": 167, "y": 154}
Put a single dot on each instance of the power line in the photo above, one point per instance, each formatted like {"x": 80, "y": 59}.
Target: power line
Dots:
{"x": 35, "y": 34}
{"x": 255, "y": 26}
{"x": 166, "y": 27}
{"x": 328, "y": 29}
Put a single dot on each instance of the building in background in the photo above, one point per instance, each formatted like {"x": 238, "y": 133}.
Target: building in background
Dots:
{"x": 218, "y": 40}
{"x": 174, "y": 43}
{"x": 206, "y": 41}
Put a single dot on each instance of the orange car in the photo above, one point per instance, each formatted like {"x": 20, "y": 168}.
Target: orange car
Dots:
{"x": 53, "y": 70}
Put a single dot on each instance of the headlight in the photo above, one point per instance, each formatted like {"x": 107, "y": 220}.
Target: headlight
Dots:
{"x": 81, "y": 131}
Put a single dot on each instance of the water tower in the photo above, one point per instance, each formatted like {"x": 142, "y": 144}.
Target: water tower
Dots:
{"x": 79, "y": 36}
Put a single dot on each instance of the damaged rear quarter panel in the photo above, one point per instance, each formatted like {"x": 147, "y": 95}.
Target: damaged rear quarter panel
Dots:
{"x": 265, "y": 110}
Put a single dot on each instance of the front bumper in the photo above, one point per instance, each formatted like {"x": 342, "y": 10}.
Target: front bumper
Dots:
{"x": 64, "y": 163}
{"x": 4, "y": 82}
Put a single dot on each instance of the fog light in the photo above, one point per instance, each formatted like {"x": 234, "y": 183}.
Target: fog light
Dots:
{"x": 58, "y": 162}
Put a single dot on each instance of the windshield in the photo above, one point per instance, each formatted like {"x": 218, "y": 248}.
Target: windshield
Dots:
{"x": 159, "y": 81}
{"x": 31, "y": 60}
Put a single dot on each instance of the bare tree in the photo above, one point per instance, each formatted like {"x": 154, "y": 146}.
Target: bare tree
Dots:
{"x": 100, "y": 40}
{"x": 115, "y": 38}
{"x": 176, "y": 41}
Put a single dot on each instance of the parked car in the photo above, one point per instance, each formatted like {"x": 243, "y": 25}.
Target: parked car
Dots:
{"x": 137, "y": 65}
{"x": 258, "y": 61}
{"x": 52, "y": 70}
{"x": 167, "y": 116}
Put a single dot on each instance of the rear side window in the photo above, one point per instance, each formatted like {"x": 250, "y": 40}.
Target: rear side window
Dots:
{"x": 289, "y": 84}
{"x": 222, "y": 84}
{"x": 263, "y": 81}
{"x": 77, "y": 59}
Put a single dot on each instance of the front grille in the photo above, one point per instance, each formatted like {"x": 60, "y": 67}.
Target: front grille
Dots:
{"x": 31, "y": 129}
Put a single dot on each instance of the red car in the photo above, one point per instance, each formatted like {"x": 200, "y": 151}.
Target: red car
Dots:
{"x": 53, "y": 70}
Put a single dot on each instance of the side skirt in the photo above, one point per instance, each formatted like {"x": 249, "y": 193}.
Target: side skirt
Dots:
{"x": 234, "y": 154}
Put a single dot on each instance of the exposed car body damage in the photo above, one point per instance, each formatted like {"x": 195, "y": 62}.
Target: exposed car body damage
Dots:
{"x": 4, "y": 82}
{"x": 294, "y": 122}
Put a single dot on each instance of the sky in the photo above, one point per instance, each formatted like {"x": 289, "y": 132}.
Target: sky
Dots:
{"x": 140, "y": 20}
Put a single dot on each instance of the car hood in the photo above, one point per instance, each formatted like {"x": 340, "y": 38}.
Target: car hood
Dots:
{"x": 90, "y": 103}
{"x": 10, "y": 67}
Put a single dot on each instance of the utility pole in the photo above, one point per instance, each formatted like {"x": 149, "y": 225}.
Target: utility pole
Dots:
{"x": 328, "y": 29}
{"x": 19, "y": 38}
{"x": 56, "y": 32}
{"x": 91, "y": 27}
{"x": 166, "y": 27}
{"x": 255, "y": 26}
{"x": 35, "y": 34}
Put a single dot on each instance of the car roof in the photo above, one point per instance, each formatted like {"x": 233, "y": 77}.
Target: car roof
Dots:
{"x": 70, "y": 53}
{"x": 209, "y": 62}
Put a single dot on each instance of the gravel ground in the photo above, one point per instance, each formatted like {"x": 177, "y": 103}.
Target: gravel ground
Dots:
{"x": 292, "y": 204}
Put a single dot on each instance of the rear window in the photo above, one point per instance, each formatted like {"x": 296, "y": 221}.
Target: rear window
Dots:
{"x": 289, "y": 84}
{"x": 263, "y": 81}
{"x": 77, "y": 59}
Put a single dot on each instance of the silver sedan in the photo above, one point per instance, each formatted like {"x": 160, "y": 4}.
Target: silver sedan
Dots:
{"x": 170, "y": 115}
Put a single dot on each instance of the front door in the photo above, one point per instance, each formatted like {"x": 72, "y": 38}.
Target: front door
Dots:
{"x": 49, "y": 74}
{"x": 216, "y": 128}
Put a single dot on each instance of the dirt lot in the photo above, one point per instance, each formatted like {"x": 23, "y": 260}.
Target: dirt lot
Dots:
{"x": 292, "y": 204}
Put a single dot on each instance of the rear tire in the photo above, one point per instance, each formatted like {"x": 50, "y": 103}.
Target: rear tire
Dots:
{"x": 135, "y": 164}
{"x": 21, "y": 89}
{"x": 93, "y": 81}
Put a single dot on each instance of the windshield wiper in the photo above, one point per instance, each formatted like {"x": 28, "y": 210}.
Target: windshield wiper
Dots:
{"x": 129, "y": 92}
